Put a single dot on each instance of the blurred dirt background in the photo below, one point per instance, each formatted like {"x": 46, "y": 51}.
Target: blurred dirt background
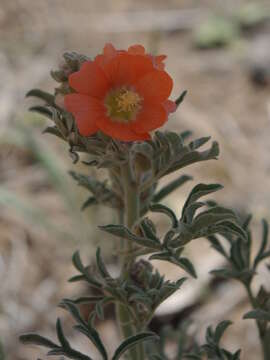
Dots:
{"x": 218, "y": 51}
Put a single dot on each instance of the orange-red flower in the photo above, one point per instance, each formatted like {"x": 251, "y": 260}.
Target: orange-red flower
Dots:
{"x": 122, "y": 93}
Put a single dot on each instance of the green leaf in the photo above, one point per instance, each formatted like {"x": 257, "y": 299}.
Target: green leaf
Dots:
{"x": 237, "y": 256}
{"x": 87, "y": 299}
{"x": 85, "y": 328}
{"x": 132, "y": 341}
{"x": 191, "y": 210}
{"x": 37, "y": 340}
{"x": 168, "y": 289}
{"x": 217, "y": 245}
{"x": 185, "y": 134}
{"x": 76, "y": 259}
{"x": 192, "y": 157}
{"x": 261, "y": 251}
{"x": 60, "y": 334}
{"x": 198, "y": 191}
{"x": 53, "y": 130}
{"x": 42, "y": 110}
{"x": 169, "y": 188}
{"x": 122, "y": 231}
{"x": 211, "y": 349}
{"x": 99, "y": 310}
{"x": 258, "y": 314}
{"x": 90, "y": 201}
{"x": 183, "y": 263}
{"x": 186, "y": 265}
{"x": 100, "y": 305}
{"x": 247, "y": 222}
{"x": 148, "y": 229}
{"x": 76, "y": 278}
{"x": 142, "y": 148}
{"x": 243, "y": 275}
{"x": 199, "y": 142}
{"x": 101, "y": 266}
{"x": 73, "y": 310}
{"x": 163, "y": 256}
{"x": 225, "y": 273}
{"x": 70, "y": 353}
{"x": 93, "y": 335}
{"x": 220, "y": 329}
{"x": 101, "y": 193}
{"x": 43, "y": 95}
{"x": 94, "y": 338}
{"x": 228, "y": 227}
{"x": 212, "y": 217}
{"x": 165, "y": 210}
{"x": 85, "y": 181}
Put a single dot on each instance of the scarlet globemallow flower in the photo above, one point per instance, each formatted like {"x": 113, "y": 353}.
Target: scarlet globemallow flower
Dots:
{"x": 122, "y": 93}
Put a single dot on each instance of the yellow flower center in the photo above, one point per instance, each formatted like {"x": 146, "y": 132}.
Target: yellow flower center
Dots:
{"x": 123, "y": 104}
{"x": 128, "y": 100}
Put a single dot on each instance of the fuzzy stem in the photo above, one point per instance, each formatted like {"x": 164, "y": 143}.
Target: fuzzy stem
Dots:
{"x": 132, "y": 213}
{"x": 132, "y": 210}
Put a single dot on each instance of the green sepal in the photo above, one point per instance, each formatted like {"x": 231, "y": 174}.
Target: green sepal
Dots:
{"x": 180, "y": 98}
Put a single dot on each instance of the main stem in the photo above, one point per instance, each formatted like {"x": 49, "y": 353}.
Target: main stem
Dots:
{"x": 132, "y": 213}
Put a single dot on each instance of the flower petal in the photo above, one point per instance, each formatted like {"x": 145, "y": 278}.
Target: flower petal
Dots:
{"x": 158, "y": 61}
{"x": 86, "y": 111}
{"x": 125, "y": 69}
{"x": 120, "y": 131}
{"x": 155, "y": 86}
{"x": 151, "y": 117}
{"x": 170, "y": 106}
{"x": 109, "y": 52}
{"x": 136, "y": 50}
{"x": 89, "y": 80}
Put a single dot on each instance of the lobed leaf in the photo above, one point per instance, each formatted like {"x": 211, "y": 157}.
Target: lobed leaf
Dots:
{"x": 85, "y": 328}
{"x": 101, "y": 266}
{"x": 37, "y": 340}
{"x": 148, "y": 229}
{"x": 258, "y": 314}
{"x": 43, "y": 95}
{"x": 133, "y": 341}
{"x": 169, "y": 188}
{"x": 165, "y": 210}
{"x": 76, "y": 259}
{"x": 191, "y": 157}
{"x": 198, "y": 191}
{"x": 261, "y": 253}
{"x": 220, "y": 329}
{"x": 60, "y": 334}
{"x": 122, "y": 231}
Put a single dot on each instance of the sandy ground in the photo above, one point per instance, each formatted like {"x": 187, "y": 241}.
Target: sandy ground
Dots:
{"x": 40, "y": 221}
